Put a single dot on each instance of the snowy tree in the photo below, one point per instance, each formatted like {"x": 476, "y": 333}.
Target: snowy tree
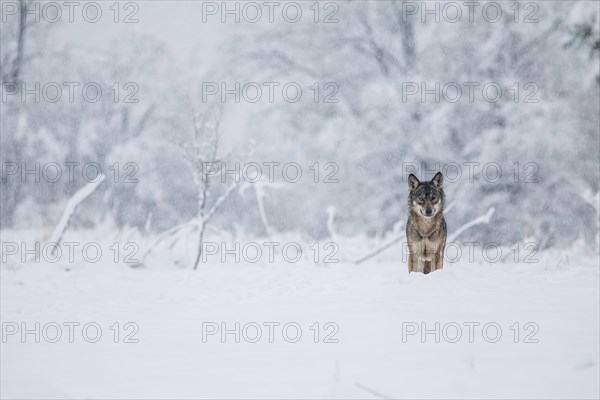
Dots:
{"x": 202, "y": 157}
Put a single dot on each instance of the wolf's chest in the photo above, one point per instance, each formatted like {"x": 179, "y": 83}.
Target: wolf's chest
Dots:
{"x": 429, "y": 246}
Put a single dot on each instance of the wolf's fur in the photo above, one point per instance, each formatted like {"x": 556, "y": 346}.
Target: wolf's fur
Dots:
{"x": 426, "y": 234}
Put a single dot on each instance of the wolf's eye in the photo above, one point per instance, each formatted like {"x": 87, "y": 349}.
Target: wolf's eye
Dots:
{"x": 421, "y": 199}
{"x": 433, "y": 198}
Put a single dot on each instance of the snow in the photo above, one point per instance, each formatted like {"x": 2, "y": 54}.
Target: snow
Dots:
{"x": 368, "y": 302}
{"x": 352, "y": 138}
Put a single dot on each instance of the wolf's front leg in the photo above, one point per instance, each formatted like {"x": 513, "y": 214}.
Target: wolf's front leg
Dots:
{"x": 414, "y": 255}
{"x": 439, "y": 257}
{"x": 421, "y": 263}
{"x": 435, "y": 265}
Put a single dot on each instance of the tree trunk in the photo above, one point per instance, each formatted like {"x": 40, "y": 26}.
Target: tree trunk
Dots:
{"x": 201, "y": 226}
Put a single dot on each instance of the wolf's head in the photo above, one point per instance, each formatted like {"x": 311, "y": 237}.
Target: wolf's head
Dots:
{"x": 426, "y": 198}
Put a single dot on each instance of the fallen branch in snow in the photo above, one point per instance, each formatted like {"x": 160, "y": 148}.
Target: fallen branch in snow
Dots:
{"x": 371, "y": 391}
{"x": 174, "y": 231}
{"x": 379, "y": 250}
{"x": 164, "y": 235}
{"x": 72, "y": 205}
{"x": 484, "y": 219}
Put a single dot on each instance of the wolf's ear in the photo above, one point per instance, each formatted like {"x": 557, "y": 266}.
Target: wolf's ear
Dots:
{"x": 413, "y": 182}
{"x": 438, "y": 180}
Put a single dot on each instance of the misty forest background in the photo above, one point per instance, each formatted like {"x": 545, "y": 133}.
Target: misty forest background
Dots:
{"x": 368, "y": 133}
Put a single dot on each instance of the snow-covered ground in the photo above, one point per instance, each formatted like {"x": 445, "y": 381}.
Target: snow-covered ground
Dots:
{"x": 369, "y": 345}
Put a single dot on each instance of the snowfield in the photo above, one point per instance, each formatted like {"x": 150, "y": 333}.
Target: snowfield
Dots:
{"x": 137, "y": 133}
{"x": 369, "y": 341}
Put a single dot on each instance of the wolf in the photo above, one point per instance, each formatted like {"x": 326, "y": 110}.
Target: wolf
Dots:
{"x": 426, "y": 230}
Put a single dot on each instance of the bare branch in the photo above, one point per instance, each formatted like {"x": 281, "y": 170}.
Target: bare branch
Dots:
{"x": 18, "y": 62}
{"x": 165, "y": 235}
{"x": 70, "y": 209}
{"x": 220, "y": 201}
{"x": 484, "y": 219}
{"x": 371, "y": 391}
{"x": 143, "y": 121}
{"x": 379, "y": 250}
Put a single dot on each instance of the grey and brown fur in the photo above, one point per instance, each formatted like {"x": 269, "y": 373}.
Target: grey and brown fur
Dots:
{"x": 426, "y": 228}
